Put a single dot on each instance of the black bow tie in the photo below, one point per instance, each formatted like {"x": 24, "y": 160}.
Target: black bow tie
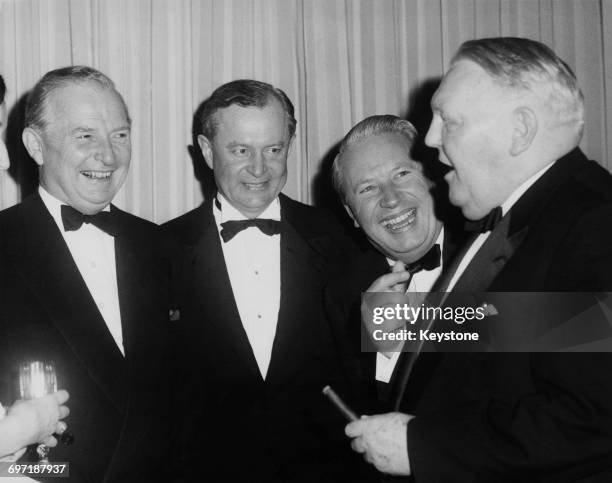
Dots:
{"x": 429, "y": 261}
{"x": 488, "y": 223}
{"x": 230, "y": 229}
{"x": 73, "y": 220}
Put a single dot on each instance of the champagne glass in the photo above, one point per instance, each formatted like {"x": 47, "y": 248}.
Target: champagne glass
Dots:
{"x": 36, "y": 379}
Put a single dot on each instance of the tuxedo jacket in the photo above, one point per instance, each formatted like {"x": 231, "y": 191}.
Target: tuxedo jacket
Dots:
{"x": 246, "y": 428}
{"x": 117, "y": 404}
{"x": 530, "y": 416}
{"x": 342, "y": 305}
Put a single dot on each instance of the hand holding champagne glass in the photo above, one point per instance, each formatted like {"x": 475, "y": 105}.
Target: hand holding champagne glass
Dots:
{"x": 38, "y": 387}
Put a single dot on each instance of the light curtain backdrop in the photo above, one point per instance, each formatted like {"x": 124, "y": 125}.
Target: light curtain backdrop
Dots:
{"x": 338, "y": 60}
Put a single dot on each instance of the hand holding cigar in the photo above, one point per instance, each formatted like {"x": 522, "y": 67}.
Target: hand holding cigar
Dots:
{"x": 346, "y": 411}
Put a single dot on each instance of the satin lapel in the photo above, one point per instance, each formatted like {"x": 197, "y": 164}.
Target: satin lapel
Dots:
{"x": 490, "y": 259}
{"x": 213, "y": 297}
{"x": 405, "y": 366}
{"x": 47, "y": 267}
{"x": 498, "y": 248}
{"x": 301, "y": 270}
{"x": 139, "y": 284}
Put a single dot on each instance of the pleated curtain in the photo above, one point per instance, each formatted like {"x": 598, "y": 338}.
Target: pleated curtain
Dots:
{"x": 338, "y": 60}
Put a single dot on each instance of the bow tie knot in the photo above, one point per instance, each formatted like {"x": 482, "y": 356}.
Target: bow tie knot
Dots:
{"x": 73, "y": 219}
{"x": 230, "y": 229}
{"x": 487, "y": 223}
{"x": 429, "y": 261}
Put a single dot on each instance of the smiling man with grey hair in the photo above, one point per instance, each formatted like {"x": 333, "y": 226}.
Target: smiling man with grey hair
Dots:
{"x": 85, "y": 284}
{"x": 387, "y": 195}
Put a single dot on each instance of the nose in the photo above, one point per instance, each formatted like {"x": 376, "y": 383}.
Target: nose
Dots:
{"x": 105, "y": 153}
{"x": 389, "y": 198}
{"x": 258, "y": 165}
{"x": 433, "y": 136}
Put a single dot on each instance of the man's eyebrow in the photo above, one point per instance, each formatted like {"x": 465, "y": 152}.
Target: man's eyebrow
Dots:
{"x": 363, "y": 181}
{"x": 82, "y": 129}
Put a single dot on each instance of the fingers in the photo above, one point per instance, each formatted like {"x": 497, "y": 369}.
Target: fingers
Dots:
{"x": 358, "y": 445}
{"x": 354, "y": 429}
{"x": 398, "y": 267}
{"x": 61, "y": 396}
{"x": 63, "y": 412}
{"x": 49, "y": 441}
{"x": 60, "y": 427}
{"x": 389, "y": 281}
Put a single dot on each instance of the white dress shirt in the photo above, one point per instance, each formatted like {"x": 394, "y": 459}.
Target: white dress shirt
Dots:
{"x": 506, "y": 205}
{"x": 93, "y": 252}
{"x": 421, "y": 282}
{"x": 253, "y": 265}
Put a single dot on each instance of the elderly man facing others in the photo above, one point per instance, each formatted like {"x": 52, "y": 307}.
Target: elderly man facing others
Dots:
{"x": 508, "y": 117}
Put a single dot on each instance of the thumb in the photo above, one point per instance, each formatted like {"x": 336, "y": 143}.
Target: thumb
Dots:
{"x": 398, "y": 266}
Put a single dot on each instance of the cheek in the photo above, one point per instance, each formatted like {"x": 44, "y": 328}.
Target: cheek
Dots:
{"x": 123, "y": 154}
{"x": 279, "y": 168}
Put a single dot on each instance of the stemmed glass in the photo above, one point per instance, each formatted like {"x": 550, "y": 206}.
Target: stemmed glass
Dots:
{"x": 36, "y": 379}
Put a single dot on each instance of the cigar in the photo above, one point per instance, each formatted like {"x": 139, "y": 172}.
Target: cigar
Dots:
{"x": 346, "y": 411}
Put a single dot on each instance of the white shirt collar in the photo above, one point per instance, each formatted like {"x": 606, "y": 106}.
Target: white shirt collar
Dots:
{"x": 517, "y": 193}
{"x": 228, "y": 212}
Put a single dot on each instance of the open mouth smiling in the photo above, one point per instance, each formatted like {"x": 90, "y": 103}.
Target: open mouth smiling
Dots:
{"x": 97, "y": 175}
{"x": 401, "y": 222}
{"x": 256, "y": 186}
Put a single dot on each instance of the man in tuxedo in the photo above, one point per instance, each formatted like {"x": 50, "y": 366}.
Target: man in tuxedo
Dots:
{"x": 84, "y": 284}
{"x": 507, "y": 120}
{"x": 387, "y": 195}
{"x": 27, "y": 422}
{"x": 254, "y": 336}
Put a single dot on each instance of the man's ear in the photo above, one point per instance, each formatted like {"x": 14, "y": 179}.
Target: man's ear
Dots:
{"x": 206, "y": 148}
{"x": 34, "y": 144}
{"x": 350, "y": 213}
{"x": 291, "y": 144}
{"x": 525, "y": 124}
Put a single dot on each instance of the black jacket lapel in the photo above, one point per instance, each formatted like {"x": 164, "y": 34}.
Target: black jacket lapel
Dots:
{"x": 213, "y": 295}
{"x": 301, "y": 267}
{"x": 46, "y": 265}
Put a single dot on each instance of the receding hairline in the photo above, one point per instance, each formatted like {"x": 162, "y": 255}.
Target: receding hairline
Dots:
{"x": 367, "y": 129}
{"x": 523, "y": 65}
{"x": 62, "y": 84}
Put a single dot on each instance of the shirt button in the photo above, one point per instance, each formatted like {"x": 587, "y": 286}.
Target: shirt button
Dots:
{"x": 256, "y": 272}
{"x": 259, "y": 316}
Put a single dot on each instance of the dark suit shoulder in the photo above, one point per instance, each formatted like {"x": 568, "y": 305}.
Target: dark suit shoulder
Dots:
{"x": 185, "y": 228}
{"x": 135, "y": 222}
{"x": 315, "y": 220}
{"x": 9, "y": 216}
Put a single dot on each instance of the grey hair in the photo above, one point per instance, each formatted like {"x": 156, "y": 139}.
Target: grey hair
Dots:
{"x": 525, "y": 64}
{"x": 56, "y": 79}
{"x": 370, "y": 126}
